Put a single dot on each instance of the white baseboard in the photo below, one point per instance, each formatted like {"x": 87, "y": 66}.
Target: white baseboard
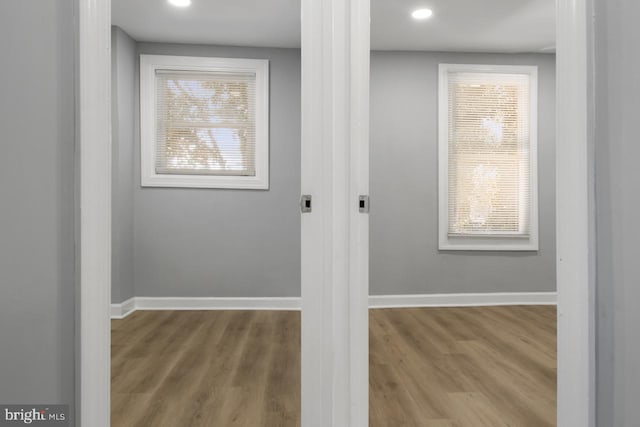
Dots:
{"x": 463, "y": 300}
{"x": 120, "y": 311}
{"x": 267, "y": 303}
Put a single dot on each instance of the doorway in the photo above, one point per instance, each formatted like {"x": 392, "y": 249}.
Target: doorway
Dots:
{"x": 575, "y": 352}
{"x": 463, "y": 226}
{"x": 205, "y": 219}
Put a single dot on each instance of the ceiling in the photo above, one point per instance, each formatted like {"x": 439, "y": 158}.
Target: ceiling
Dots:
{"x": 457, "y": 25}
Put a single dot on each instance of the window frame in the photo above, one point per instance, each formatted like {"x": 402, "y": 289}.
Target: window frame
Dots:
{"x": 485, "y": 242}
{"x": 148, "y": 66}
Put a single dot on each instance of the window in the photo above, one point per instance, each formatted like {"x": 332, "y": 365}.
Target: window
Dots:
{"x": 204, "y": 122}
{"x": 487, "y": 160}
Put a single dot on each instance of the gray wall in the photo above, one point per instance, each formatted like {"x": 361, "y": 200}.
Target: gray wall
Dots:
{"x": 37, "y": 192}
{"x": 618, "y": 211}
{"x": 227, "y": 243}
{"x": 404, "y": 184}
{"x": 123, "y": 72}
{"x": 195, "y": 243}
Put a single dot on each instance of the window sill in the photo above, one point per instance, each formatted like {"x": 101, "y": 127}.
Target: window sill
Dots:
{"x": 206, "y": 181}
{"x": 496, "y": 244}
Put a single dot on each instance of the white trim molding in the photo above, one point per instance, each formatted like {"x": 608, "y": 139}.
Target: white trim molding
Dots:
{"x": 575, "y": 213}
{"x": 120, "y": 311}
{"x": 93, "y": 328}
{"x": 529, "y": 210}
{"x": 214, "y": 303}
{"x": 463, "y": 300}
{"x": 335, "y": 249}
{"x": 123, "y": 309}
{"x": 203, "y": 303}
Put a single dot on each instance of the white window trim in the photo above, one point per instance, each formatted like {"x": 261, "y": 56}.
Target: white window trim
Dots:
{"x": 148, "y": 66}
{"x": 484, "y": 242}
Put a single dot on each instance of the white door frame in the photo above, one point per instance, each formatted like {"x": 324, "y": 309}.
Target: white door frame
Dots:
{"x": 93, "y": 293}
{"x": 335, "y": 169}
{"x": 575, "y": 216}
{"x": 335, "y": 235}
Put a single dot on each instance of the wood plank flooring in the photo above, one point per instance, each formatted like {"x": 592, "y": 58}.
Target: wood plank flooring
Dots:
{"x": 472, "y": 366}
{"x": 432, "y": 367}
{"x": 206, "y": 368}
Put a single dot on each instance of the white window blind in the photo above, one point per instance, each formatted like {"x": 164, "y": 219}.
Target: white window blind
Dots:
{"x": 489, "y": 141}
{"x": 205, "y": 123}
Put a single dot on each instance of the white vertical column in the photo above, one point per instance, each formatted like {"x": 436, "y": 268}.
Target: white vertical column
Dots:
{"x": 335, "y": 169}
{"x": 575, "y": 218}
{"x": 93, "y": 296}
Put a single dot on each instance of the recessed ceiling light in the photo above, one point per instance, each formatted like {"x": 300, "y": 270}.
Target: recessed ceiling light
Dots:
{"x": 422, "y": 13}
{"x": 180, "y": 3}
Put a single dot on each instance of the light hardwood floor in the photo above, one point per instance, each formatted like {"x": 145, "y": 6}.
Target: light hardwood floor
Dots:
{"x": 453, "y": 367}
{"x": 472, "y": 366}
